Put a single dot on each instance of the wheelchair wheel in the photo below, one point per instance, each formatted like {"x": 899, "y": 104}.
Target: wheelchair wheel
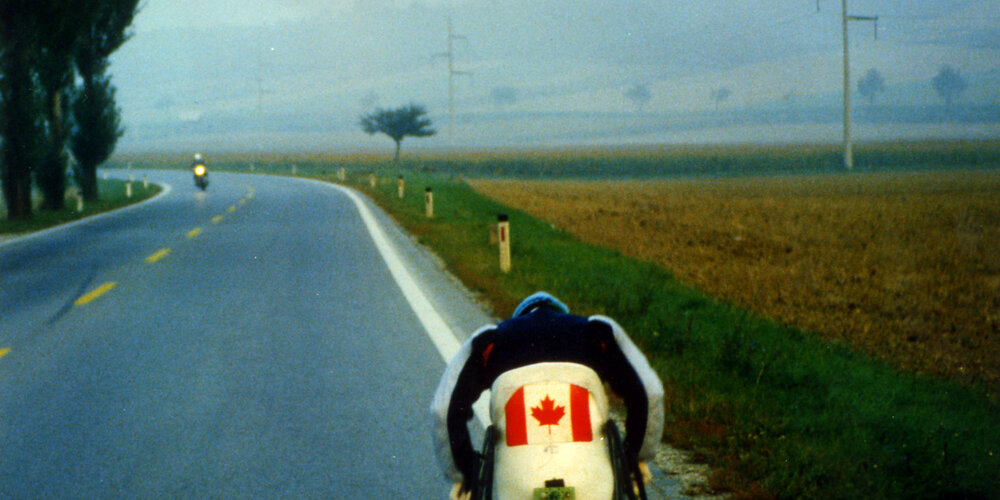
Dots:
{"x": 483, "y": 489}
{"x": 624, "y": 489}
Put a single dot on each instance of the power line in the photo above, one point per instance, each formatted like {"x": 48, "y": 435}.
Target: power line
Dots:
{"x": 452, "y": 72}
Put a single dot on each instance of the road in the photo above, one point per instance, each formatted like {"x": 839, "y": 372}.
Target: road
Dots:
{"x": 249, "y": 341}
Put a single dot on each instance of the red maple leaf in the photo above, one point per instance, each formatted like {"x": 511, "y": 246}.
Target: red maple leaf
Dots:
{"x": 548, "y": 413}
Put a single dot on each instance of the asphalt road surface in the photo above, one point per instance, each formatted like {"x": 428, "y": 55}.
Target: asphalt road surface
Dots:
{"x": 249, "y": 341}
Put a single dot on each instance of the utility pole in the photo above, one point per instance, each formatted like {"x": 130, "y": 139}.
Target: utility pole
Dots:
{"x": 450, "y": 54}
{"x": 845, "y": 18}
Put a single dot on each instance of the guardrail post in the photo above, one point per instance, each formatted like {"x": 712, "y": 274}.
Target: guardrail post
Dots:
{"x": 503, "y": 230}
{"x": 429, "y": 203}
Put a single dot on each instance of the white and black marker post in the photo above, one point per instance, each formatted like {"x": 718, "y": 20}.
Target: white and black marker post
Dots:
{"x": 503, "y": 230}
{"x": 429, "y": 202}
{"x": 75, "y": 192}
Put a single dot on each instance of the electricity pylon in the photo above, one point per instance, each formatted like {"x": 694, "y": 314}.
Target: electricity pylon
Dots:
{"x": 845, "y": 18}
{"x": 452, "y": 72}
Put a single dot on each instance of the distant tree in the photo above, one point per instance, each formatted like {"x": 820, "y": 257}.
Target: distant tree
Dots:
{"x": 639, "y": 95}
{"x": 96, "y": 125}
{"x": 398, "y": 123}
{"x": 949, "y": 84}
{"x": 871, "y": 84}
{"x": 720, "y": 95}
{"x": 503, "y": 96}
{"x": 369, "y": 100}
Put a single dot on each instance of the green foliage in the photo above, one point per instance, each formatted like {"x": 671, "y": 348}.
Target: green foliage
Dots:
{"x": 20, "y": 124}
{"x": 40, "y": 43}
{"x": 949, "y": 84}
{"x": 398, "y": 123}
{"x": 96, "y": 129}
{"x": 59, "y": 27}
{"x": 96, "y": 122}
{"x": 870, "y": 84}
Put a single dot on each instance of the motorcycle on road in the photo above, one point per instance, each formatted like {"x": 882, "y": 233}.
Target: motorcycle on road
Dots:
{"x": 200, "y": 176}
{"x": 552, "y": 438}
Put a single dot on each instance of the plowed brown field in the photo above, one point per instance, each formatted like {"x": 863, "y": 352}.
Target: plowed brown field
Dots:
{"x": 905, "y": 266}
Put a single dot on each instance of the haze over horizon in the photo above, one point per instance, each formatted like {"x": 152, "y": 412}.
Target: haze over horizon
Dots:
{"x": 297, "y": 74}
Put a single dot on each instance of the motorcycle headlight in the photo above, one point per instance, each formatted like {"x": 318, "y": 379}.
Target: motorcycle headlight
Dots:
{"x": 199, "y": 170}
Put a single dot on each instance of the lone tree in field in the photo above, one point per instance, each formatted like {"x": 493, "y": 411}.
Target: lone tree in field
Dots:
{"x": 948, "y": 83}
{"x": 398, "y": 123}
{"x": 503, "y": 97}
{"x": 639, "y": 95}
{"x": 719, "y": 95}
{"x": 871, "y": 84}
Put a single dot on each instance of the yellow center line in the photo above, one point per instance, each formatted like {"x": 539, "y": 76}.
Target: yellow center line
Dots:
{"x": 231, "y": 209}
{"x": 93, "y": 294}
{"x": 193, "y": 233}
{"x": 4, "y": 351}
{"x": 217, "y": 219}
{"x": 161, "y": 253}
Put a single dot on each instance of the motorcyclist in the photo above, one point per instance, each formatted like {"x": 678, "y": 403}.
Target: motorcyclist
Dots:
{"x": 200, "y": 171}
{"x": 198, "y": 160}
{"x": 542, "y": 330}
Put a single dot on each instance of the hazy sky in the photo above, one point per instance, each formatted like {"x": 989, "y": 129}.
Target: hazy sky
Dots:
{"x": 315, "y": 62}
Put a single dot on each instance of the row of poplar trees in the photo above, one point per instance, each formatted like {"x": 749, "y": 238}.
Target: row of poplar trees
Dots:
{"x": 56, "y": 95}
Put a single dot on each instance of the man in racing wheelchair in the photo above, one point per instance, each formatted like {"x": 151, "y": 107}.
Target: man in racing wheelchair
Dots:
{"x": 546, "y": 369}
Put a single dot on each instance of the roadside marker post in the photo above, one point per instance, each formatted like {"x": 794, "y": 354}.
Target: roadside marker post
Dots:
{"x": 128, "y": 189}
{"x": 342, "y": 174}
{"x": 429, "y": 203}
{"x": 293, "y": 170}
{"x": 145, "y": 182}
{"x": 74, "y": 192}
{"x": 400, "y": 187}
{"x": 371, "y": 180}
{"x": 503, "y": 230}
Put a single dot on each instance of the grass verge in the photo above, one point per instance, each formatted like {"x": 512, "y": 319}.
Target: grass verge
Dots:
{"x": 112, "y": 194}
{"x": 775, "y": 411}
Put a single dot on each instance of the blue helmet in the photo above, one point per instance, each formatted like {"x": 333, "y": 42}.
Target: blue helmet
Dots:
{"x": 539, "y": 299}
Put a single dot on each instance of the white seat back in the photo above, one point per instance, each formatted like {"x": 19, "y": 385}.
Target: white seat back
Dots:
{"x": 550, "y": 417}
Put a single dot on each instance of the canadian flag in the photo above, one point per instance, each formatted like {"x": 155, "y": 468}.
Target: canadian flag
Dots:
{"x": 551, "y": 412}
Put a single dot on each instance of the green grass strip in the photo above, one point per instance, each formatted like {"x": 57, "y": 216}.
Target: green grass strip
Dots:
{"x": 775, "y": 411}
{"x": 112, "y": 196}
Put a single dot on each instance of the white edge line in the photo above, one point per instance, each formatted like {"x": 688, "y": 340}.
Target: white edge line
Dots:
{"x": 440, "y": 333}
{"x": 84, "y": 220}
